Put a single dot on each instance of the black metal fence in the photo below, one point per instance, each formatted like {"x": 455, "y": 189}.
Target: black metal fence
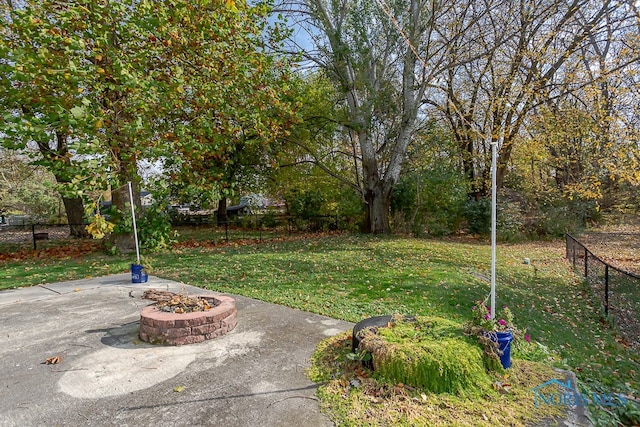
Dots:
{"x": 292, "y": 223}
{"x": 17, "y": 237}
{"x": 256, "y": 227}
{"x": 618, "y": 290}
{"x": 14, "y": 238}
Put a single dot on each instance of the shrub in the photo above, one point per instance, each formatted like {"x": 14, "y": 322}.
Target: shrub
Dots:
{"x": 509, "y": 225}
{"x": 430, "y": 352}
{"x": 154, "y": 229}
{"x": 269, "y": 219}
{"x": 429, "y": 201}
{"x": 305, "y": 202}
{"x": 478, "y": 214}
{"x": 552, "y": 215}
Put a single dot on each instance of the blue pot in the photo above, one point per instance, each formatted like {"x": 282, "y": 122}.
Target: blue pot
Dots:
{"x": 504, "y": 346}
{"x": 138, "y": 275}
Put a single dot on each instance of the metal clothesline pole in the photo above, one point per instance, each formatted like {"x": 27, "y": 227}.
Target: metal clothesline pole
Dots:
{"x": 135, "y": 228}
{"x": 494, "y": 162}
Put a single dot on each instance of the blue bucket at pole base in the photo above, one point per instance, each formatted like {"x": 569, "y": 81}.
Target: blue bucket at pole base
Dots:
{"x": 138, "y": 275}
{"x": 504, "y": 345}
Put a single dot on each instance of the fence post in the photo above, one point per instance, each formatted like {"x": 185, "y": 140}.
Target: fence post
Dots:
{"x": 571, "y": 248}
{"x": 586, "y": 266}
{"x": 606, "y": 289}
{"x": 259, "y": 227}
{"x": 33, "y": 235}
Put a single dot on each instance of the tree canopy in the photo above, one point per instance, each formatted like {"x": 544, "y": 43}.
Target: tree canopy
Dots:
{"x": 97, "y": 86}
{"x": 486, "y": 71}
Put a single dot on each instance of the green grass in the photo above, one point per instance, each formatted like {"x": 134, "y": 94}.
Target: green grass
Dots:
{"x": 36, "y": 271}
{"x": 345, "y": 277}
{"x": 353, "y": 277}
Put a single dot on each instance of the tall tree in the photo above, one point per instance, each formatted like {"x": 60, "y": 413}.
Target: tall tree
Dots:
{"x": 116, "y": 81}
{"x": 493, "y": 99}
{"x": 384, "y": 57}
{"x": 589, "y": 132}
{"x": 235, "y": 98}
{"x": 78, "y": 88}
{"x": 39, "y": 97}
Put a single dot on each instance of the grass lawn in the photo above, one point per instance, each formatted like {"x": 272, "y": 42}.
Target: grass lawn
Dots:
{"x": 352, "y": 277}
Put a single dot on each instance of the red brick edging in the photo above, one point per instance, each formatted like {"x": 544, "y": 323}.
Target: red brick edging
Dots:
{"x": 159, "y": 327}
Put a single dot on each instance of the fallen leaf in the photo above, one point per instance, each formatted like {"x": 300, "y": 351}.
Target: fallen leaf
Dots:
{"x": 179, "y": 389}
{"x": 53, "y": 360}
{"x": 502, "y": 387}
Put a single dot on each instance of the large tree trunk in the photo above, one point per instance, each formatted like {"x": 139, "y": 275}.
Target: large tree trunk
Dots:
{"x": 377, "y": 196}
{"x": 73, "y": 206}
{"x": 75, "y": 216}
{"x": 125, "y": 241}
{"x": 377, "y": 211}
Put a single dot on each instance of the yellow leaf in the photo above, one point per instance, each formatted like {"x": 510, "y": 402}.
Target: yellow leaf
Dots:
{"x": 179, "y": 389}
{"x": 231, "y": 4}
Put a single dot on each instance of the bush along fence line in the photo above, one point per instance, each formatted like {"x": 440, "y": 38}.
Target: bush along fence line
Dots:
{"x": 618, "y": 290}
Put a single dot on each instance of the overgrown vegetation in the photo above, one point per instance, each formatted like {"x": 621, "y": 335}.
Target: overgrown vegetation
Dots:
{"x": 429, "y": 353}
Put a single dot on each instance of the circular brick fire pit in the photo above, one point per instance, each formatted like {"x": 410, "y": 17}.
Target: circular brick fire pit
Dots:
{"x": 160, "y": 327}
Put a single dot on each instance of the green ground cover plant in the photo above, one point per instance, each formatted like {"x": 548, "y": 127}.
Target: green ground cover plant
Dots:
{"x": 429, "y": 353}
{"x": 356, "y": 396}
{"x": 352, "y": 277}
